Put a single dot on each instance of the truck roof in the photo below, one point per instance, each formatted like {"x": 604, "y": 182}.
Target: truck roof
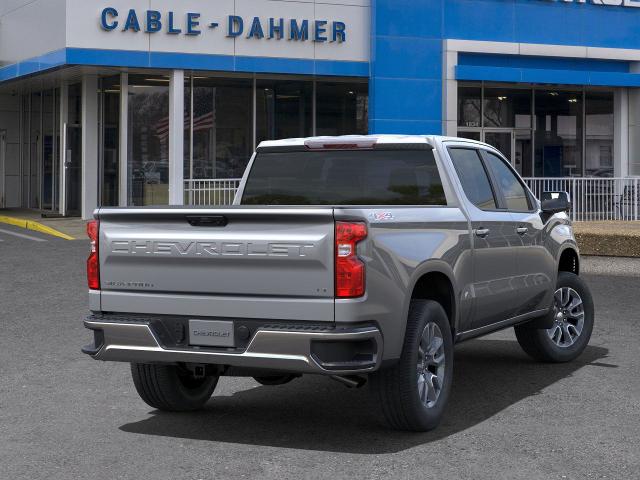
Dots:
{"x": 360, "y": 140}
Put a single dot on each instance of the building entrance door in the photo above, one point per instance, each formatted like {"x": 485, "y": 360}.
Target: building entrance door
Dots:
{"x": 515, "y": 145}
{"x": 73, "y": 170}
{"x": 3, "y": 154}
{"x": 45, "y": 140}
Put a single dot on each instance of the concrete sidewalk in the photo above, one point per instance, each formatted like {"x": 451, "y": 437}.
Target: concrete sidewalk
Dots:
{"x": 71, "y": 228}
{"x": 615, "y": 239}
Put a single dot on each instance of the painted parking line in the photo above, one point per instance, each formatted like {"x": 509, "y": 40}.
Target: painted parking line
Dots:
{"x": 22, "y": 235}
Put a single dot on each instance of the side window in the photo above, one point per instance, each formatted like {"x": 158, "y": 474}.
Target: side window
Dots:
{"x": 514, "y": 193}
{"x": 473, "y": 177}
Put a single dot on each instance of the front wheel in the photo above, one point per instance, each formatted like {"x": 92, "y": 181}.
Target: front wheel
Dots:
{"x": 172, "y": 387}
{"x": 414, "y": 392}
{"x": 573, "y": 318}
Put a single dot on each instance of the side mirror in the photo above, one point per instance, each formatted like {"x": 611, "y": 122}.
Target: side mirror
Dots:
{"x": 555, "y": 202}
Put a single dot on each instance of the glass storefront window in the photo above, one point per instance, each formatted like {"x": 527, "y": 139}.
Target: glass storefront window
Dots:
{"x": 50, "y": 139}
{"x": 283, "y": 109}
{"x": 26, "y": 118}
{"x": 222, "y": 127}
{"x": 599, "y": 134}
{"x": 186, "y": 170}
{"x": 469, "y": 106}
{"x": 521, "y": 160}
{"x": 34, "y": 139}
{"x": 507, "y": 107}
{"x": 75, "y": 104}
{"x": 110, "y": 90}
{"x": 570, "y": 133}
{"x": 341, "y": 108}
{"x": 558, "y": 136}
{"x": 148, "y": 140}
{"x": 471, "y": 135}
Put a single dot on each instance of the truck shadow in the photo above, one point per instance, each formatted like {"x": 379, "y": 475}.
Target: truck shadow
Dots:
{"x": 315, "y": 413}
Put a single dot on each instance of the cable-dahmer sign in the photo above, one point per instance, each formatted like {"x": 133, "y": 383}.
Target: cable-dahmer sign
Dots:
{"x": 192, "y": 23}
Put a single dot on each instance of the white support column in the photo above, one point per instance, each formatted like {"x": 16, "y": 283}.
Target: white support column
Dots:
{"x": 176, "y": 138}
{"x": 62, "y": 148}
{"x": 621, "y": 133}
{"x": 90, "y": 174}
{"x": 123, "y": 180}
{"x": 449, "y": 91}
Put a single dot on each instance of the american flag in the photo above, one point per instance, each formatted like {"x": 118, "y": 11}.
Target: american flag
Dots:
{"x": 203, "y": 122}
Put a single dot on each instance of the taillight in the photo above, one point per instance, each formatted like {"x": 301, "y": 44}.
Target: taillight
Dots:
{"x": 93, "y": 262}
{"x": 350, "y": 270}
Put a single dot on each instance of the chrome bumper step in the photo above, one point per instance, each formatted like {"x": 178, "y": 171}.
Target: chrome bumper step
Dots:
{"x": 270, "y": 348}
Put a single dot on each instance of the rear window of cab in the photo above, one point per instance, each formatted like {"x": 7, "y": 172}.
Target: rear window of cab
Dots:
{"x": 344, "y": 177}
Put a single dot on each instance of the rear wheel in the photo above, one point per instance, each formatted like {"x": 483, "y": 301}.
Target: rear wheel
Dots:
{"x": 171, "y": 387}
{"x": 573, "y": 318}
{"x": 414, "y": 392}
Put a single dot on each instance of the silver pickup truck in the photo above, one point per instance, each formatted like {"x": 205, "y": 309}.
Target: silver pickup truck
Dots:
{"x": 357, "y": 257}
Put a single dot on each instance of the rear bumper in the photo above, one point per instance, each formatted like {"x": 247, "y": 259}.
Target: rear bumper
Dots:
{"x": 291, "y": 348}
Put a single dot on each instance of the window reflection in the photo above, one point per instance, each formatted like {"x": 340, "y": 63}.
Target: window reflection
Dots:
{"x": 507, "y": 107}
{"x": 558, "y": 136}
{"x": 283, "y": 109}
{"x": 341, "y": 108}
{"x": 34, "y": 146}
{"x": 599, "y": 134}
{"x": 110, "y": 90}
{"x": 469, "y": 106}
{"x": 45, "y": 141}
{"x": 148, "y": 140}
{"x": 222, "y": 128}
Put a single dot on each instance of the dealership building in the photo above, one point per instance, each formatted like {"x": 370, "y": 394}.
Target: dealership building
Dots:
{"x": 151, "y": 102}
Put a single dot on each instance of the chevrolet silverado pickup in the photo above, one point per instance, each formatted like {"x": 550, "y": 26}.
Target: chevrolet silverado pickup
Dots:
{"x": 362, "y": 258}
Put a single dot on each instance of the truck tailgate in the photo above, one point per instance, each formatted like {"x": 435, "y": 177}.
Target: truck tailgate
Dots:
{"x": 235, "y": 261}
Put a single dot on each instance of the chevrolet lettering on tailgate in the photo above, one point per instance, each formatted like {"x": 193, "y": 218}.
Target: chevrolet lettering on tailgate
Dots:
{"x": 260, "y": 249}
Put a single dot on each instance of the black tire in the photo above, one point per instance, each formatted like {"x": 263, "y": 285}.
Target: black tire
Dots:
{"x": 275, "y": 380}
{"x": 539, "y": 344}
{"x": 396, "y": 388}
{"x": 172, "y": 388}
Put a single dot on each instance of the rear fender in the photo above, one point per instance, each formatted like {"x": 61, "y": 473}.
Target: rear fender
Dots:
{"x": 431, "y": 266}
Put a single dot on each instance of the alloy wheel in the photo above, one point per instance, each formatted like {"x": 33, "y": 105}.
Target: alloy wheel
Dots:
{"x": 568, "y": 317}
{"x": 431, "y": 365}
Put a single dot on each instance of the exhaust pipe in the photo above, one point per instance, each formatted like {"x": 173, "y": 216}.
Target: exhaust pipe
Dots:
{"x": 350, "y": 381}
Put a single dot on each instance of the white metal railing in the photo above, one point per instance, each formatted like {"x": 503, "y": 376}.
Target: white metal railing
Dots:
{"x": 592, "y": 198}
{"x": 595, "y": 198}
{"x": 213, "y": 191}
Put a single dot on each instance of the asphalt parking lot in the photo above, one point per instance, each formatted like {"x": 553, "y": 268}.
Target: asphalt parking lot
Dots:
{"x": 65, "y": 416}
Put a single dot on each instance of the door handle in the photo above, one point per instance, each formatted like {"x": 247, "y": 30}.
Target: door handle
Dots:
{"x": 522, "y": 230}
{"x": 482, "y": 232}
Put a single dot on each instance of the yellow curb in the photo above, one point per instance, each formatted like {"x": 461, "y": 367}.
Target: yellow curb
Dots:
{"x": 35, "y": 226}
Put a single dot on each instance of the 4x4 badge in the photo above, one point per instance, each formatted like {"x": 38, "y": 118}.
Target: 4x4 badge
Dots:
{"x": 380, "y": 216}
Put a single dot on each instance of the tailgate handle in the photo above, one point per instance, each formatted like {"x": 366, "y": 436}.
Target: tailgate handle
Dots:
{"x": 207, "y": 220}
